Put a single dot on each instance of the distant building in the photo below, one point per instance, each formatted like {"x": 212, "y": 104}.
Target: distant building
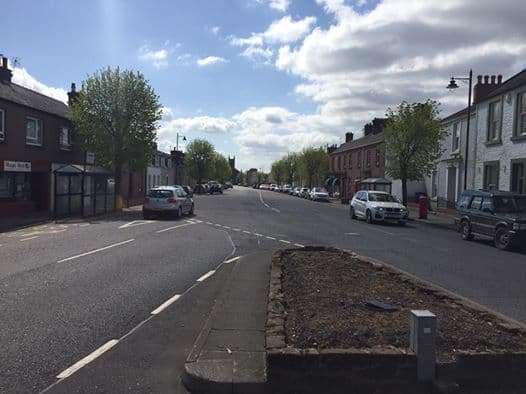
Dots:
{"x": 234, "y": 171}
{"x": 160, "y": 172}
{"x": 252, "y": 177}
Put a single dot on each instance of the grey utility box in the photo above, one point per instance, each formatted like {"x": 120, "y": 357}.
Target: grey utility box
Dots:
{"x": 423, "y": 343}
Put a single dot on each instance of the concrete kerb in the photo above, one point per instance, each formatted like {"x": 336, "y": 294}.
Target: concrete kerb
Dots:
{"x": 289, "y": 365}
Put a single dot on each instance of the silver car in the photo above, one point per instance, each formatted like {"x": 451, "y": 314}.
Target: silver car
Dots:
{"x": 167, "y": 200}
{"x": 377, "y": 206}
{"x": 319, "y": 194}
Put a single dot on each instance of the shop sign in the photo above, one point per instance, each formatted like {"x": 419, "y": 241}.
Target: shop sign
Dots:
{"x": 17, "y": 166}
{"x": 90, "y": 158}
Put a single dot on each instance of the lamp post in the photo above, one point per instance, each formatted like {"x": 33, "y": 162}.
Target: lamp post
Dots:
{"x": 453, "y": 85}
{"x": 177, "y": 141}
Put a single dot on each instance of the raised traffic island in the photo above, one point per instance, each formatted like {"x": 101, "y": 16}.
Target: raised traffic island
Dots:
{"x": 341, "y": 323}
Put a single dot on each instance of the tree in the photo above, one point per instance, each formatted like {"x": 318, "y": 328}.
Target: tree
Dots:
{"x": 278, "y": 171}
{"x": 290, "y": 163}
{"x": 313, "y": 165}
{"x": 412, "y": 142}
{"x": 222, "y": 170}
{"x": 260, "y": 176}
{"x": 115, "y": 115}
{"x": 241, "y": 177}
{"x": 200, "y": 159}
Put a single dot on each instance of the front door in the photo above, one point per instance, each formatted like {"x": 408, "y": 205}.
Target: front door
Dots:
{"x": 451, "y": 186}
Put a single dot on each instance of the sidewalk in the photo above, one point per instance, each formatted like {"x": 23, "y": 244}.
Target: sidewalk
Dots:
{"x": 229, "y": 354}
{"x": 444, "y": 218}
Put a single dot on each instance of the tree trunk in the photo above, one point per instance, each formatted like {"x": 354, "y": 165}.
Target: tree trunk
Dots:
{"x": 404, "y": 191}
{"x": 118, "y": 177}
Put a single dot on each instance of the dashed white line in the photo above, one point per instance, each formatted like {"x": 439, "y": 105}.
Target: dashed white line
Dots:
{"x": 232, "y": 260}
{"x": 166, "y": 304}
{"x": 258, "y": 234}
{"x": 236, "y": 229}
{"x": 352, "y": 234}
{"x": 96, "y": 250}
{"x": 217, "y": 224}
{"x": 284, "y": 241}
{"x": 276, "y": 210}
{"x": 299, "y": 245}
{"x": 228, "y": 227}
{"x": 86, "y": 360}
{"x": 247, "y": 232}
{"x": 27, "y": 239}
{"x": 272, "y": 238}
{"x": 206, "y": 276}
{"x": 174, "y": 227}
{"x": 209, "y": 223}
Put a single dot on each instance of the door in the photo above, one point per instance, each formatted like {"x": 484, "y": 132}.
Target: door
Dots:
{"x": 362, "y": 199}
{"x": 475, "y": 214}
{"x": 451, "y": 187}
{"x": 486, "y": 222}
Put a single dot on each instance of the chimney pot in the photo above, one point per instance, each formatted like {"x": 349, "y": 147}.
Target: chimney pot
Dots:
{"x": 499, "y": 79}
{"x": 349, "y": 137}
{"x": 486, "y": 79}
{"x": 493, "y": 79}
{"x": 479, "y": 78}
{"x": 73, "y": 87}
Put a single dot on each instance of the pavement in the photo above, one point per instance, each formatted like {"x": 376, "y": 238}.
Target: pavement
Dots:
{"x": 118, "y": 302}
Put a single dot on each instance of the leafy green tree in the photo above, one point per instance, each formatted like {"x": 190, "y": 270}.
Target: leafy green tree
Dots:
{"x": 278, "y": 171}
{"x": 241, "y": 177}
{"x": 260, "y": 176}
{"x": 313, "y": 165}
{"x": 115, "y": 114}
{"x": 222, "y": 170}
{"x": 412, "y": 141}
{"x": 291, "y": 164}
{"x": 200, "y": 160}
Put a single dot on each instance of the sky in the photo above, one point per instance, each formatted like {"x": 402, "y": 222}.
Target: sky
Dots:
{"x": 260, "y": 78}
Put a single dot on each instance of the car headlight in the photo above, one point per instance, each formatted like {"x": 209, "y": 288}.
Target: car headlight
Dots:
{"x": 379, "y": 209}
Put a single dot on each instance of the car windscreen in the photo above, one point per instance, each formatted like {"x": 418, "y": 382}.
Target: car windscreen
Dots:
{"x": 160, "y": 193}
{"x": 319, "y": 190}
{"x": 505, "y": 204}
{"x": 381, "y": 197}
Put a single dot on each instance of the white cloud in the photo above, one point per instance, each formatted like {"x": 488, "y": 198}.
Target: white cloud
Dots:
{"x": 157, "y": 58}
{"x": 258, "y": 54}
{"x": 215, "y": 30}
{"x": 210, "y": 60}
{"x": 279, "y": 5}
{"x": 23, "y": 78}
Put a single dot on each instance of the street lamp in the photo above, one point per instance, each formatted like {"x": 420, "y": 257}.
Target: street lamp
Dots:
{"x": 453, "y": 85}
{"x": 177, "y": 141}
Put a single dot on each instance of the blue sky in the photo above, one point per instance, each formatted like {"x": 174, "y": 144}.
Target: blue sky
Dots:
{"x": 259, "y": 78}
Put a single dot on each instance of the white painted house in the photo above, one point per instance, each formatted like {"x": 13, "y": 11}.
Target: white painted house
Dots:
{"x": 500, "y": 157}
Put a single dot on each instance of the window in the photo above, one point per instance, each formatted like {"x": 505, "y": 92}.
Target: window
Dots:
{"x": 368, "y": 158}
{"x": 494, "y": 121}
{"x": 350, "y": 160}
{"x": 464, "y": 201}
{"x": 476, "y": 203}
{"x": 339, "y": 163}
{"x": 65, "y": 138}
{"x": 377, "y": 160}
{"x": 491, "y": 176}
{"x": 520, "y": 129}
{"x": 518, "y": 177}
{"x": 487, "y": 203}
{"x": 33, "y": 131}
{"x": 333, "y": 163}
{"x": 455, "y": 137}
{"x": 2, "y": 124}
{"x": 359, "y": 159}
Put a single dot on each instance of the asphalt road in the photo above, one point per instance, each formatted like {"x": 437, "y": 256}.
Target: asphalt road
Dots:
{"x": 68, "y": 289}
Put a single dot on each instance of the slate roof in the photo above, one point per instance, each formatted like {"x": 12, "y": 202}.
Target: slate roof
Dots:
{"x": 463, "y": 112}
{"x": 29, "y": 98}
{"x": 514, "y": 82}
{"x": 366, "y": 140}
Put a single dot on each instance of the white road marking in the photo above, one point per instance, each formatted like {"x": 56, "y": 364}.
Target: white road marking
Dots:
{"x": 352, "y": 234}
{"x": 84, "y": 224}
{"x": 285, "y": 242}
{"x": 86, "y": 360}
{"x": 299, "y": 245}
{"x": 268, "y": 206}
{"x": 246, "y": 232}
{"x": 174, "y": 227}
{"x": 27, "y": 239}
{"x": 228, "y": 227}
{"x": 276, "y": 210}
{"x": 206, "y": 276}
{"x": 258, "y": 234}
{"x": 271, "y": 238}
{"x": 217, "y": 224}
{"x": 209, "y": 223}
{"x": 96, "y": 250}
{"x": 232, "y": 260}
{"x": 197, "y": 221}
{"x": 382, "y": 231}
{"x": 135, "y": 223}
{"x": 166, "y": 304}
{"x": 236, "y": 229}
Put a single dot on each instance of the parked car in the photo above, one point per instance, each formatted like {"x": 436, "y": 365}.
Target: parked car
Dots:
{"x": 188, "y": 190}
{"x": 378, "y": 206}
{"x": 287, "y": 188}
{"x": 500, "y": 216}
{"x": 304, "y": 192}
{"x": 296, "y": 191}
{"x": 273, "y": 187}
{"x": 167, "y": 200}
{"x": 319, "y": 194}
{"x": 215, "y": 187}
{"x": 228, "y": 185}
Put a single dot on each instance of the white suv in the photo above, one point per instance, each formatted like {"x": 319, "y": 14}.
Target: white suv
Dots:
{"x": 373, "y": 205}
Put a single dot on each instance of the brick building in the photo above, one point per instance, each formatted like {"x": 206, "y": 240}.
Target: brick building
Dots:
{"x": 357, "y": 159}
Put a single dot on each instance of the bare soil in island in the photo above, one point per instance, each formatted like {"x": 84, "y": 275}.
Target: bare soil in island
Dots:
{"x": 325, "y": 295}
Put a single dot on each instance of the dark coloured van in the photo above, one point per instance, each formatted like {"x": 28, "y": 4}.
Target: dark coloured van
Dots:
{"x": 496, "y": 215}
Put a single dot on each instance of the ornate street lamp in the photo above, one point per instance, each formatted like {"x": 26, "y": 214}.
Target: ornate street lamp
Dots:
{"x": 453, "y": 85}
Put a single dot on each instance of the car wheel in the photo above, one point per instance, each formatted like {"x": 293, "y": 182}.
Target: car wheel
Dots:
{"x": 352, "y": 213}
{"x": 401, "y": 223}
{"x": 502, "y": 239}
{"x": 191, "y": 210}
{"x": 146, "y": 216}
{"x": 465, "y": 230}
{"x": 369, "y": 217}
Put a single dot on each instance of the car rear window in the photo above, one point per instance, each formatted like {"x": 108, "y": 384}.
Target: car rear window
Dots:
{"x": 160, "y": 193}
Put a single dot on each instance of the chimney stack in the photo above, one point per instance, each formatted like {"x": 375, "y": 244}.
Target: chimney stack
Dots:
{"x": 5, "y": 73}
{"x": 349, "y": 137}
{"x": 484, "y": 88}
{"x": 73, "y": 94}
